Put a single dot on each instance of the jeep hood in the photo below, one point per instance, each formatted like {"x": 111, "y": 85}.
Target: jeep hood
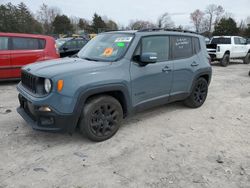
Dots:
{"x": 52, "y": 68}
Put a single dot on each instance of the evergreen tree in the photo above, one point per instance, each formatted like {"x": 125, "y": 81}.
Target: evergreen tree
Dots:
{"x": 18, "y": 19}
{"x": 62, "y": 25}
{"x": 98, "y": 24}
{"x": 226, "y": 26}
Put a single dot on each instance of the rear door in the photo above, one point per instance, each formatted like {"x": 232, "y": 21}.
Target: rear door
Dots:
{"x": 244, "y": 48}
{"x": 185, "y": 62}
{"x": 5, "y": 66}
{"x": 236, "y": 48}
{"x": 25, "y": 51}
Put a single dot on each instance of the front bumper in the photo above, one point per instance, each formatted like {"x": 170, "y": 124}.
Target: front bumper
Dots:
{"x": 216, "y": 55}
{"x": 44, "y": 120}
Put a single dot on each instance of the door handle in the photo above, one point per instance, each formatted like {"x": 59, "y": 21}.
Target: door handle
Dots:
{"x": 194, "y": 64}
{"x": 166, "y": 69}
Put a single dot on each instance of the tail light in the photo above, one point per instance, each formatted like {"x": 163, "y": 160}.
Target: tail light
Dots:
{"x": 57, "y": 50}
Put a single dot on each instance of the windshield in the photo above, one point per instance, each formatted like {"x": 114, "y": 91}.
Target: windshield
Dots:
{"x": 221, "y": 40}
{"x": 106, "y": 47}
{"x": 60, "y": 42}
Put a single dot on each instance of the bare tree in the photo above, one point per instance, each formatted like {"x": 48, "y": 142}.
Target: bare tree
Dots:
{"x": 197, "y": 17}
{"x": 165, "y": 21}
{"x": 215, "y": 13}
{"x": 248, "y": 20}
{"x": 140, "y": 24}
{"x": 74, "y": 21}
{"x": 46, "y": 15}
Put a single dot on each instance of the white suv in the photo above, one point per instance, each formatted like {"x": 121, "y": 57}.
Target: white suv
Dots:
{"x": 224, "y": 48}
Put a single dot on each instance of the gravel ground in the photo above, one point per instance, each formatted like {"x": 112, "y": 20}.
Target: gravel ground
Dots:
{"x": 168, "y": 146}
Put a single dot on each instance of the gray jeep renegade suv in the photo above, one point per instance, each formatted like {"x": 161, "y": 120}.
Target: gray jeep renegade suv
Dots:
{"x": 114, "y": 75}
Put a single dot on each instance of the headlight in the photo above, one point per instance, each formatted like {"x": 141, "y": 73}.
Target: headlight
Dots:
{"x": 47, "y": 85}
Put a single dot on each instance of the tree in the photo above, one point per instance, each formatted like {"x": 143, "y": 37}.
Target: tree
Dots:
{"x": 215, "y": 13}
{"x": 197, "y": 17}
{"x": 140, "y": 24}
{"x": 226, "y": 26}
{"x": 85, "y": 25}
{"x": 111, "y": 25}
{"x": 98, "y": 24}
{"x": 62, "y": 25}
{"x": 46, "y": 15}
{"x": 18, "y": 19}
{"x": 165, "y": 21}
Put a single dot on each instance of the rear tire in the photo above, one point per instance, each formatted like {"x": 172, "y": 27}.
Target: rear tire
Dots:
{"x": 198, "y": 94}
{"x": 101, "y": 118}
{"x": 246, "y": 60}
{"x": 225, "y": 60}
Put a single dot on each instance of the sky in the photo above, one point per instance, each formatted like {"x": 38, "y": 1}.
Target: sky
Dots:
{"x": 124, "y": 11}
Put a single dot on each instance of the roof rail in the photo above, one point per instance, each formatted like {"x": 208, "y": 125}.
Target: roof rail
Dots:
{"x": 166, "y": 29}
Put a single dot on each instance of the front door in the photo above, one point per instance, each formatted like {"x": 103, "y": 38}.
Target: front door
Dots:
{"x": 153, "y": 81}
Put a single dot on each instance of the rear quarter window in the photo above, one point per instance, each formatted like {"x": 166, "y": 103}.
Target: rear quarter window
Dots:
{"x": 196, "y": 45}
{"x": 181, "y": 47}
{"x": 21, "y": 43}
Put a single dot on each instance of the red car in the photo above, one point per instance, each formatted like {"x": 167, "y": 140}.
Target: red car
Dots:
{"x": 17, "y": 50}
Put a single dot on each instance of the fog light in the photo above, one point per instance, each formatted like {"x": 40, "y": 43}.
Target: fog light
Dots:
{"x": 47, "y": 121}
{"x": 44, "y": 109}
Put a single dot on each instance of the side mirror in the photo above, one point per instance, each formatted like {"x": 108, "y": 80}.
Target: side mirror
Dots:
{"x": 148, "y": 57}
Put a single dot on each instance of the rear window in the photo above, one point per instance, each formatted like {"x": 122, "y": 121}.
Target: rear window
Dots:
{"x": 20, "y": 43}
{"x": 181, "y": 47}
{"x": 221, "y": 40}
{"x": 3, "y": 43}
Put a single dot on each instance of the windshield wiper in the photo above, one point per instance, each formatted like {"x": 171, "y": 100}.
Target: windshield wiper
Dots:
{"x": 90, "y": 59}
{"x": 74, "y": 56}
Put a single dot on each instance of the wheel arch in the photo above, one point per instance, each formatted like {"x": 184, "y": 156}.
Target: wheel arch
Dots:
{"x": 227, "y": 52}
{"x": 118, "y": 91}
{"x": 206, "y": 74}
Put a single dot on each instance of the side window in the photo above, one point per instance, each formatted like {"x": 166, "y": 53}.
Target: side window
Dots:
{"x": 81, "y": 43}
{"x": 4, "y": 43}
{"x": 71, "y": 44}
{"x": 181, "y": 47}
{"x": 41, "y": 43}
{"x": 243, "y": 41}
{"x": 21, "y": 43}
{"x": 157, "y": 44}
{"x": 236, "y": 40}
{"x": 196, "y": 45}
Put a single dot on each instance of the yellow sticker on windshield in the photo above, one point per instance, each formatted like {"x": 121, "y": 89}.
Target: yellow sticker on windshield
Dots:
{"x": 108, "y": 52}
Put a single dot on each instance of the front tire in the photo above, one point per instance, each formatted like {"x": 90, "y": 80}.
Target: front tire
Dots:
{"x": 198, "y": 94}
{"x": 101, "y": 118}
{"x": 247, "y": 59}
{"x": 225, "y": 60}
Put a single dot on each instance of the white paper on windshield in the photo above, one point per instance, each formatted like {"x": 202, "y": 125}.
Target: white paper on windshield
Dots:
{"x": 123, "y": 39}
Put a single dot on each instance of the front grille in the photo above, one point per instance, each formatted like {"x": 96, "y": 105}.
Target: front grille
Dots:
{"x": 29, "y": 81}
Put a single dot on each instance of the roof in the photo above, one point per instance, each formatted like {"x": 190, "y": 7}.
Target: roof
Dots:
{"x": 24, "y": 35}
{"x": 155, "y": 31}
{"x": 225, "y": 36}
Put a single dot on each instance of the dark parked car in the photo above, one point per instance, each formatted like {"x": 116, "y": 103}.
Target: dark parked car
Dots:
{"x": 70, "y": 46}
{"x": 114, "y": 75}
